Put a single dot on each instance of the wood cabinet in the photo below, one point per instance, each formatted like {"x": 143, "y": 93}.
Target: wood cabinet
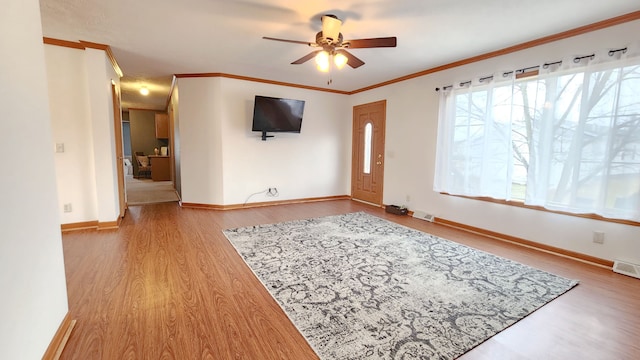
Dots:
{"x": 162, "y": 126}
{"x": 160, "y": 168}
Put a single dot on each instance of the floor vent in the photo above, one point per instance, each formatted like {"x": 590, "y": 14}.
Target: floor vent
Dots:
{"x": 423, "y": 215}
{"x": 626, "y": 268}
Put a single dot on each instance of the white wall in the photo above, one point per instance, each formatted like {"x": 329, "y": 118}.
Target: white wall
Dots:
{"x": 224, "y": 162}
{"x": 412, "y": 116}
{"x": 82, "y": 118}
{"x": 100, "y": 75}
{"x": 34, "y": 297}
{"x": 71, "y": 125}
{"x": 200, "y": 140}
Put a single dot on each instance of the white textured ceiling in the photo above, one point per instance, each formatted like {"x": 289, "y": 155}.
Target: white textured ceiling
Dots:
{"x": 154, "y": 39}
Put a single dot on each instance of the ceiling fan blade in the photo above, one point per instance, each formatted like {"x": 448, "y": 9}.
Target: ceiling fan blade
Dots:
{"x": 306, "y": 58}
{"x": 289, "y": 41}
{"x": 352, "y": 61}
{"x": 371, "y": 43}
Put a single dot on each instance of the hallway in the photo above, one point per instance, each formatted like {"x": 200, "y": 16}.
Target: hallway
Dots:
{"x": 146, "y": 191}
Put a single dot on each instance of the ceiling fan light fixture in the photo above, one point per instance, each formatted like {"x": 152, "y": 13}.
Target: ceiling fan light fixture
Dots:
{"x": 332, "y": 48}
{"x": 144, "y": 91}
{"x": 340, "y": 60}
{"x": 322, "y": 61}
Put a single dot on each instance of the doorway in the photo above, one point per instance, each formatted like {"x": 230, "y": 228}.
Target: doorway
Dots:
{"x": 148, "y": 136}
{"x": 367, "y": 166}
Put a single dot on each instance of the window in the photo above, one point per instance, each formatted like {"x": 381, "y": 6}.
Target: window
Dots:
{"x": 368, "y": 132}
{"x": 566, "y": 140}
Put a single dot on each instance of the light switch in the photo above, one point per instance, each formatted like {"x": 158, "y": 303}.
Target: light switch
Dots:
{"x": 59, "y": 147}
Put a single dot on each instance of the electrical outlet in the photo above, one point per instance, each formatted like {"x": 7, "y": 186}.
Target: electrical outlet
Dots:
{"x": 598, "y": 237}
{"x": 67, "y": 208}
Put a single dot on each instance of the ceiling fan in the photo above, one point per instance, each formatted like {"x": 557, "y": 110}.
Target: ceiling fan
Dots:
{"x": 332, "y": 45}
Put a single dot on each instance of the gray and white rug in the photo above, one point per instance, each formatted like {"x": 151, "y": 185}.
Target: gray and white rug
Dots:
{"x": 360, "y": 287}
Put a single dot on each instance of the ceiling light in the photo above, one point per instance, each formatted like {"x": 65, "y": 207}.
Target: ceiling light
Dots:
{"x": 144, "y": 91}
{"x": 322, "y": 60}
{"x": 340, "y": 60}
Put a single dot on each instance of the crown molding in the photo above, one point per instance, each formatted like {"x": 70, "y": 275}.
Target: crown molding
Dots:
{"x": 265, "y": 81}
{"x": 83, "y": 45}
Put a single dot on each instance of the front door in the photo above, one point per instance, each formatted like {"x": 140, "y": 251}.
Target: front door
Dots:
{"x": 367, "y": 166}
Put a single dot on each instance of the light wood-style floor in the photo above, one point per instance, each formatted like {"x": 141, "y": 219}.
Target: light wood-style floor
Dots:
{"x": 168, "y": 285}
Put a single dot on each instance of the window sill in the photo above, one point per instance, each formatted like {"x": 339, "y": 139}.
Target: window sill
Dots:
{"x": 540, "y": 208}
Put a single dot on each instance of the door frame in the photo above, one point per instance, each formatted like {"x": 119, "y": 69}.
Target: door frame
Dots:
{"x": 117, "y": 124}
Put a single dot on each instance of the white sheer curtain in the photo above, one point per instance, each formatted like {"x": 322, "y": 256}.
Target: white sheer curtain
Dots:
{"x": 588, "y": 138}
{"x": 567, "y": 139}
{"x": 474, "y": 139}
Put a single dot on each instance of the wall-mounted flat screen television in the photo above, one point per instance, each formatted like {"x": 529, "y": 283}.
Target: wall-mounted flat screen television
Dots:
{"x": 271, "y": 114}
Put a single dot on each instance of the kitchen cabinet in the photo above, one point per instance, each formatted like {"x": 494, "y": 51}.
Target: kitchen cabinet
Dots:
{"x": 160, "y": 168}
{"x": 162, "y": 126}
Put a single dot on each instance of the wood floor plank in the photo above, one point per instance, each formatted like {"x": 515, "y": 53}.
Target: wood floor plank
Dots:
{"x": 168, "y": 285}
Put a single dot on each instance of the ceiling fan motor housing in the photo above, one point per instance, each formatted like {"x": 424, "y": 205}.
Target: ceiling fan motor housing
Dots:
{"x": 327, "y": 41}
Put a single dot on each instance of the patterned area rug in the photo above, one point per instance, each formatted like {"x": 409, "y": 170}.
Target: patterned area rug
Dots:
{"x": 360, "y": 287}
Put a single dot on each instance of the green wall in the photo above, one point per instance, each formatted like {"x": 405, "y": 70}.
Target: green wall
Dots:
{"x": 143, "y": 133}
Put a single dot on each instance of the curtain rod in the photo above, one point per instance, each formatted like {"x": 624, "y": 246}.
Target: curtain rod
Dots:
{"x": 612, "y": 52}
{"x": 544, "y": 66}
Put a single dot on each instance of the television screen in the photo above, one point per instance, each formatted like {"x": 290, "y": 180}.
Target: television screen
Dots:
{"x": 277, "y": 115}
